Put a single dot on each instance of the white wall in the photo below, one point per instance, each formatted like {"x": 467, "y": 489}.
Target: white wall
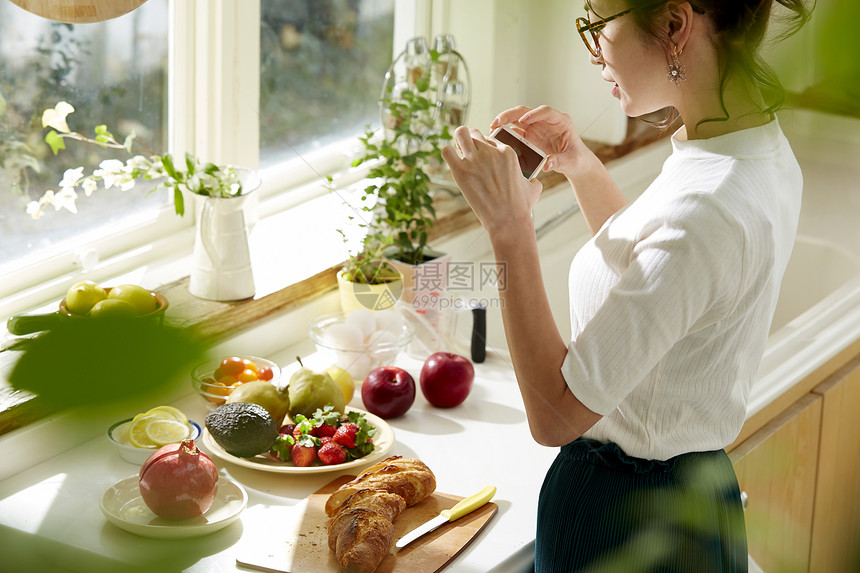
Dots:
{"x": 529, "y": 53}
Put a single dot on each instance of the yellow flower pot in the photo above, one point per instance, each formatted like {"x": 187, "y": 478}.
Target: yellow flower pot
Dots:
{"x": 372, "y": 297}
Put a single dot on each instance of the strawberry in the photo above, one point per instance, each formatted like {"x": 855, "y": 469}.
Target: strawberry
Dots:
{"x": 303, "y": 427}
{"x": 303, "y": 456}
{"x": 325, "y": 430}
{"x": 287, "y": 429}
{"x": 331, "y": 453}
{"x": 304, "y": 452}
{"x": 324, "y": 440}
{"x": 282, "y": 448}
{"x": 345, "y": 435}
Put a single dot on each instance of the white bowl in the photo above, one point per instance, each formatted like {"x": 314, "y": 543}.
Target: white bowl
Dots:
{"x": 118, "y": 436}
{"x": 359, "y": 359}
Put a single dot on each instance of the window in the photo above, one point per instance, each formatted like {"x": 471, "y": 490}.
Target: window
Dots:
{"x": 319, "y": 65}
{"x": 322, "y": 64}
{"x": 113, "y": 73}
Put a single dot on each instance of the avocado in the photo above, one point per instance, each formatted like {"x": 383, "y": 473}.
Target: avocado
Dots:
{"x": 243, "y": 429}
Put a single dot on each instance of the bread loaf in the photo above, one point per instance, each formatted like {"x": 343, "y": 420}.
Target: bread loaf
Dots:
{"x": 409, "y": 478}
{"x": 361, "y": 538}
{"x": 362, "y": 511}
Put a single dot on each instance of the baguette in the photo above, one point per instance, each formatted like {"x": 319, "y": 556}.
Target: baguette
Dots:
{"x": 411, "y": 479}
{"x": 362, "y": 511}
{"x": 363, "y": 538}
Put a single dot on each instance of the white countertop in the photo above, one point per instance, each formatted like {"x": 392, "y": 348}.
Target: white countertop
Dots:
{"x": 50, "y": 517}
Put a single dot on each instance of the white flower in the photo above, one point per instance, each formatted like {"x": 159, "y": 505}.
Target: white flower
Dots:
{"x": 47, "y": 198}
{"x": 65, "y": 199}
{"x": 89, "y": 186}
{"x": 139, "y": 163}
{"x": 34, "y": 209}
{"x": 56, "y": 117}
{"x": 71, "y": 177}
{"x": 126, "y": 183}
{"x": 111, "y": 171}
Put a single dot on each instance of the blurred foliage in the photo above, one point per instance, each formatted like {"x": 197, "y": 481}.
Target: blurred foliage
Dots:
{"x": 834, "y": 82}
{"x": 94, "y": 362}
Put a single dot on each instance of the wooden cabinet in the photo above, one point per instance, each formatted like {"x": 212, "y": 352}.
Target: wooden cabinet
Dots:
{"x": 800, "y": 472}
{"x": 776, "y": 469}
{"x": 836, "y": 520}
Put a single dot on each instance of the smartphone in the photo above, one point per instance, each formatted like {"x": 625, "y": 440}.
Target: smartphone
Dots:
{"x": 530, "y": 157}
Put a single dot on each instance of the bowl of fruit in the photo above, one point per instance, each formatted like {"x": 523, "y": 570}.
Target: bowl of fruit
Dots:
{"x": 361, "y": 340}
{"x": 139, "y": 437}
{"x": 87, "y": 299}
{"x": 216, "y": 380}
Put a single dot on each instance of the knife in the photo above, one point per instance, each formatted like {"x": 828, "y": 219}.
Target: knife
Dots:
{"x": 463, "y": 507}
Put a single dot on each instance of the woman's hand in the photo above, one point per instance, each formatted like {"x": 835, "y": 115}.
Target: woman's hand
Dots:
{"x": 552, "y": 131}
{"x": 490, "y": 178}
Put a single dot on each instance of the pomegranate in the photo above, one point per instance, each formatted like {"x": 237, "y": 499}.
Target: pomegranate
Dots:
{"x": 178, "y": 481}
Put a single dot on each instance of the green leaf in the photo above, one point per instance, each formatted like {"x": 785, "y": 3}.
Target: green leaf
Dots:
{"x": 103, "y": 135}
{"x": 129, "y": 141}
{"x": 190, "y": 163}
{"x": 55, "y": 141}
{"x": 58, "y": 364}
{"x": 167, "y": 162}
{"x": 178, "y": 201}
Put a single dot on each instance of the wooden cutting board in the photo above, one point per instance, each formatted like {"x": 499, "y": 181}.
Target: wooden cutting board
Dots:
{"x": 301, "y": 545}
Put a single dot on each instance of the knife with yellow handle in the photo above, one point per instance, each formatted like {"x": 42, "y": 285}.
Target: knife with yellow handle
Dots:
{"x": 463, "y": 507}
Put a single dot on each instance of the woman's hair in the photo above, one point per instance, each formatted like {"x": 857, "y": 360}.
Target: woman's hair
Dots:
{"x": 739, "y": 29}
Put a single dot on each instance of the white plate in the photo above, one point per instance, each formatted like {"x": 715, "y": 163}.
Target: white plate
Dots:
{"x": 383, "y": 440}
{"x": 123, "y": 506}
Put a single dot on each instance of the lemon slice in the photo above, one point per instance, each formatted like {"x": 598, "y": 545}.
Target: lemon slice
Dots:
{"x": 137, "y": 431}
{"x": 170, "y": 412}
{"x": 164, "y": 432}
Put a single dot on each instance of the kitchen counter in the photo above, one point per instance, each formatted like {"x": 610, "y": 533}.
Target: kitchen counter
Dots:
{"x": 50, "y": 517}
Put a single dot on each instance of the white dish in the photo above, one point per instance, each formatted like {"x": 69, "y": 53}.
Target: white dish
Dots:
{"x": 123, "y": 506}
{"x": 383, "y": 442}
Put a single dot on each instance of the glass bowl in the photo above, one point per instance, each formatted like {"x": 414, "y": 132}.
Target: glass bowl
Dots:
{"x": 358, "y": 358}
{"x": 118, "y": 435}
{"x": 216, "y": 394}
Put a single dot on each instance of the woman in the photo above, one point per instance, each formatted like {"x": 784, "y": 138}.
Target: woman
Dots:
{"x": 671, "y": 300}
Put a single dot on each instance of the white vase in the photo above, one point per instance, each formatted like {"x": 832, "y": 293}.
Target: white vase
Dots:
{"x": 222, "y": 260}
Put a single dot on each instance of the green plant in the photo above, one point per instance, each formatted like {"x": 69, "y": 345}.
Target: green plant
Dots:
{"x": 368, "y": 265}
{"x": 411, "y": 144}
{"x": 205, "y": 179}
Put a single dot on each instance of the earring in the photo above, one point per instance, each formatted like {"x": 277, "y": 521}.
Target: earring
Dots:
{"x": 676, "y": 70}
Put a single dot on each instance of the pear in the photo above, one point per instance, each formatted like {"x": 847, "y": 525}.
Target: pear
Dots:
{"x": 276, "y": 401}
{"x": 83, "y": 296}
{"x": 310, "y": 390}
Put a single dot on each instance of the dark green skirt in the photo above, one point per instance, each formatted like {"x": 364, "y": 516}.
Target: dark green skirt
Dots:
{"x": 602, "y": 510}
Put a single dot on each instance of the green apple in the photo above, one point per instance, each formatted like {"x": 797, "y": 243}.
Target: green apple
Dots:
{"x": 112, "y": 307}
{"x": 81, "y": 297}
{"x": 138, "y": 297}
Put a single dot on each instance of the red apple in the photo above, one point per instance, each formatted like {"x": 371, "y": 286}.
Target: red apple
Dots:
{"x": 446, "y": 379}
{"x": 388, "y": 391}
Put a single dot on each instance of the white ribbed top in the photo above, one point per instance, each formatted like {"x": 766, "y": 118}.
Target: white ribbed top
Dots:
{"x": 671, "y": 301}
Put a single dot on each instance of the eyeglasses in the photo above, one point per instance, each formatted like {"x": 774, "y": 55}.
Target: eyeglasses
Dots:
{"x": 590, "y": 31}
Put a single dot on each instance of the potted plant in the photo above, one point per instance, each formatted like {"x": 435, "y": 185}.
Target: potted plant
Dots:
{"x": 367, "y": 279}
{"x": 409, "y": 148}
{"x": 222, "y": 263}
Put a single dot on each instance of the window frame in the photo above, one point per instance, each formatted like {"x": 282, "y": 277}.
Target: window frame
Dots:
{"x": 213, "y": 52}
